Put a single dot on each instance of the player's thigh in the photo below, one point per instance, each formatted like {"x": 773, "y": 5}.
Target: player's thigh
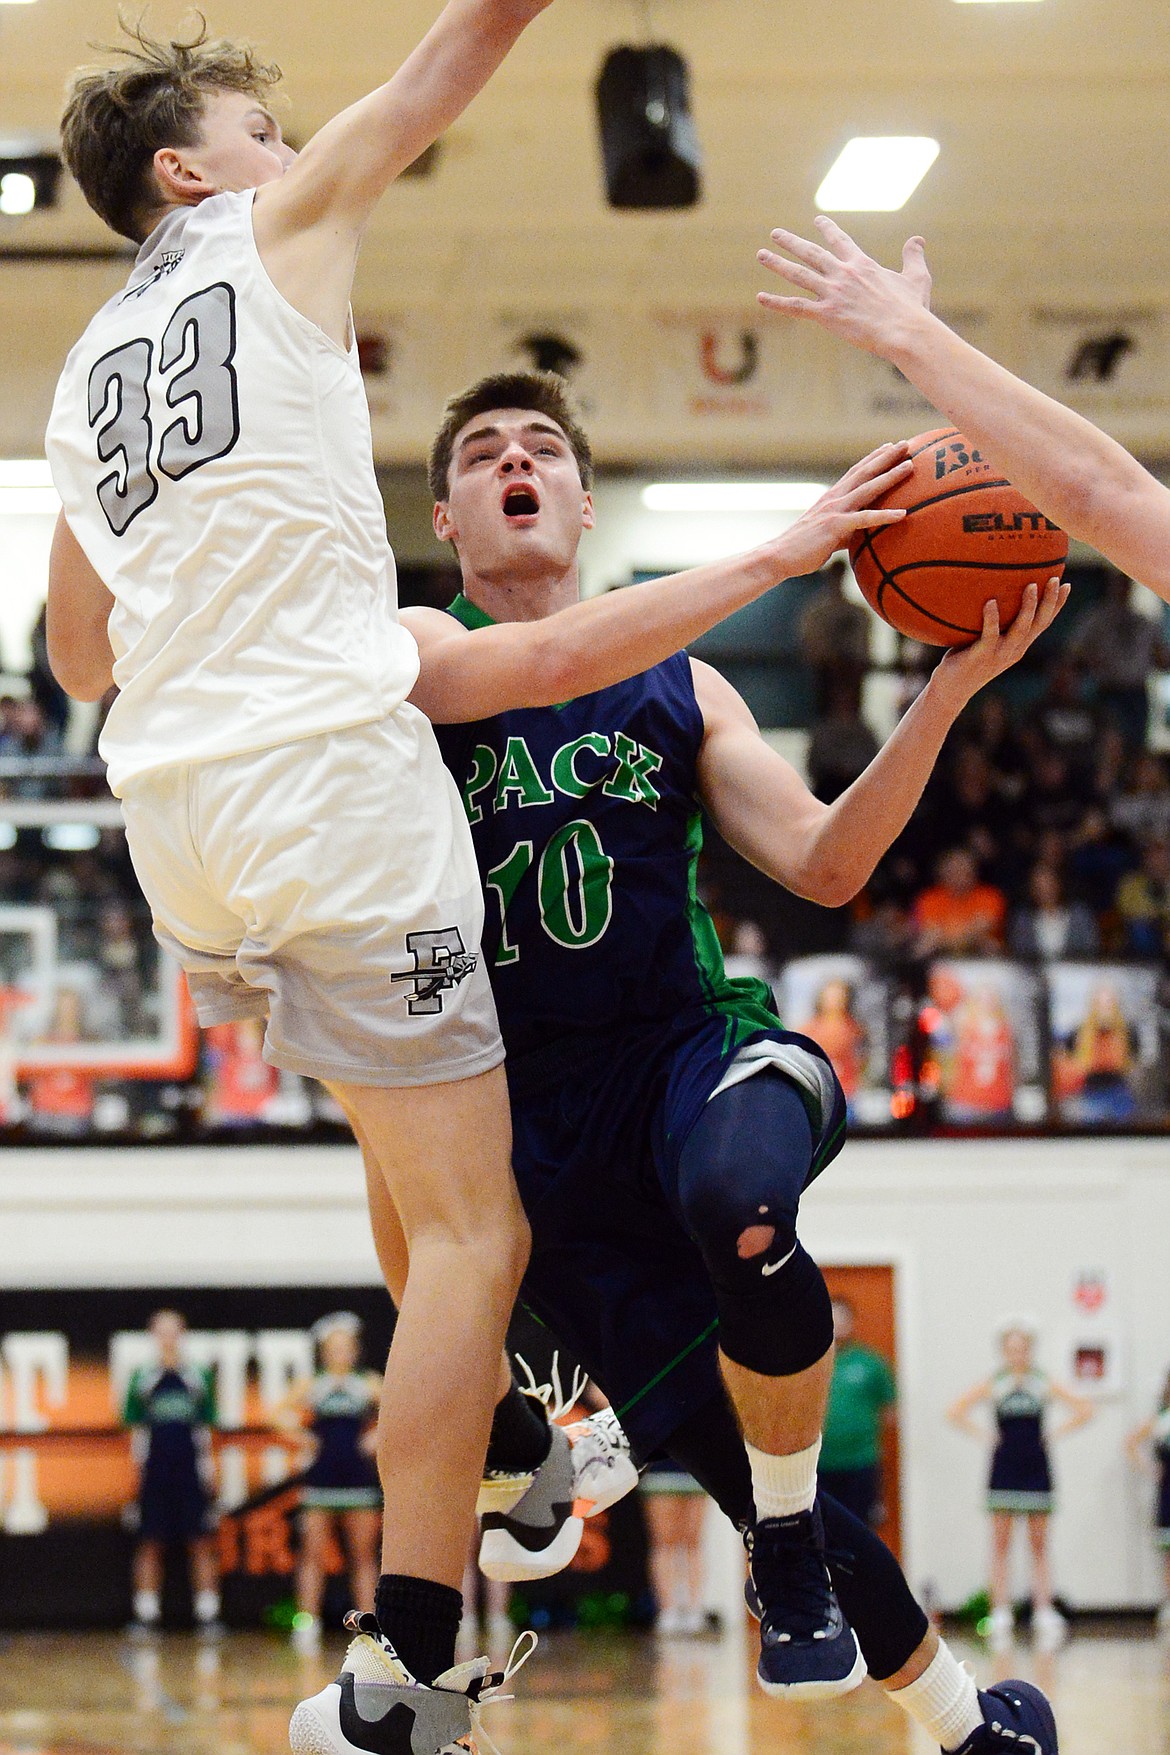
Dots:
{"x": 444, "y": 1153}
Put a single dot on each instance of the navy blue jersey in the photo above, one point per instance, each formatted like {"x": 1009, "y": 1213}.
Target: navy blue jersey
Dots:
{"x": 171, "y": 1408}
{"x": 341, "y": 1409}
{"x": 588, "y": 831}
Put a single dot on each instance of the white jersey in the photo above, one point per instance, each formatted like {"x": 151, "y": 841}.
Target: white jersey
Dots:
{"x": 211, "y": 446}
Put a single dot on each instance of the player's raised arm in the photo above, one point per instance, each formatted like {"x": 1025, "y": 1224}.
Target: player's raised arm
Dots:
{"x": 350, "y": 163}
{"x": 473, "y": 674}
{"x": 1082, "y": 479}
{"x": 827, "y": 852}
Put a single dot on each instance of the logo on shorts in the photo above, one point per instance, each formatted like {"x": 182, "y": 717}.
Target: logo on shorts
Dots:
{"x": 441, "y": 961}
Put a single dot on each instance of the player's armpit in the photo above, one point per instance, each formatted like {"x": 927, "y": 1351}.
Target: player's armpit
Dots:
{"x": 77, "y": 621}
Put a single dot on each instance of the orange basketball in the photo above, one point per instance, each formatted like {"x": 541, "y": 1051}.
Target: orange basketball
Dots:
{"x": 967, "y": 536}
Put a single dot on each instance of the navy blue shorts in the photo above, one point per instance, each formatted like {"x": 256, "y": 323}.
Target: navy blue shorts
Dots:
{"x": 613, "y": 1273}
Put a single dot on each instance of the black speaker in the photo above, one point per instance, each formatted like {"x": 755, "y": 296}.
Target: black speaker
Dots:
{"x": 648, "y": 138}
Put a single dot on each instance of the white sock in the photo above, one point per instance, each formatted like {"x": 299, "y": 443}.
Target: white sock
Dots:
{"x": 206, "y": 1606}
{"x": 147, "y": 1607}
{"x": 944, "y": 1700}
{"x": 784, "y": 1485}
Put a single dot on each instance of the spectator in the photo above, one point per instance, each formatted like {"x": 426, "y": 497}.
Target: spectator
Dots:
{"x": 885, "y": 935}
{"x": 747, "y": 960}
{"x": 861, "y": 1401}
{"x": 1117, "y": 647}
{"x": 991, "y": 732}
{"x": 958, "y": 915}
{"x": 834, "y": 638}
{"x": 1143, "y": 902}
{"x": 842, "y": 745}
{"x": 1052, "y": 800}
{"x": 1143, "y": 810}
{"x": 970, "y": 809}
{"x": 1099, "y": 857}
{"x": 1049, "y": 926}
{"x": 1109, "y": 760}
{"x": 1066, "y": 721}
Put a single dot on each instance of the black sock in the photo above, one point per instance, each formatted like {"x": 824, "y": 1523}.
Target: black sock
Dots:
{"x": 421, "y": 1620}
{"x": 521, "y": 1436}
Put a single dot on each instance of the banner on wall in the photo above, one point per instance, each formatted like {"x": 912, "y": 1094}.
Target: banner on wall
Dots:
{"x": 1101, "y": 360}
{"x": 68, "y": 1481}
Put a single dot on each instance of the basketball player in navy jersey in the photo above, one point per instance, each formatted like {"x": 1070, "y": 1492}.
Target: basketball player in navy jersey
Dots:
{"x": 665, "y": 1125}
{"x": 222, "y": 551}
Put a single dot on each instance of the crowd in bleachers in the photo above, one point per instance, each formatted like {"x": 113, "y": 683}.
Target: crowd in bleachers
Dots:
{"x": 1045, "y": 830}
{"x": 1044, "y": 835}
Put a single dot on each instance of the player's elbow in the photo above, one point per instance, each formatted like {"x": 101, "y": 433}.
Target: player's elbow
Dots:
{"x": 83, "y": 677}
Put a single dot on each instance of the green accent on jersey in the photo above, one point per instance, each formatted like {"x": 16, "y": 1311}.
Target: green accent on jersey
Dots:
{"x": 747, "y": 1004}
{"x": 667, "y": 1369}
{"x": 469, "y": 613}
{"x": 862, "y": 1386}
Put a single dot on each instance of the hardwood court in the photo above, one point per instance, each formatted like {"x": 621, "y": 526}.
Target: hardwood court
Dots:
{"x": 97, "y": 1694}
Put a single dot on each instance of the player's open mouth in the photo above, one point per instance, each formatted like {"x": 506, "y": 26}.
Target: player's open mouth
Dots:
{"x": 521, "y": 502}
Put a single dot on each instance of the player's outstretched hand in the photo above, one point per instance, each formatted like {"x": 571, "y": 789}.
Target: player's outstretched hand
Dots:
{"x": 966, "y": 669}
{"x": 851, "y": 295}
{"x": 846, "y": 508}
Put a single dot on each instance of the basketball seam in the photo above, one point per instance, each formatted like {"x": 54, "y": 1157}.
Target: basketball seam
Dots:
{"x": 939, "y": 439}
{"x": 956, "y": 493}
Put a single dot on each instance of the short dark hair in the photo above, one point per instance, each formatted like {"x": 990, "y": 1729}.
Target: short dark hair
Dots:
{"x": 544, "y": 392}
{"x": 119, "y": 114}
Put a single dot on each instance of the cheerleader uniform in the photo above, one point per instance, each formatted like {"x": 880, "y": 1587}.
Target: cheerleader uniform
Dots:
{"x": 342, "y": 1477}
{"x": 171, "y": 1410}
{"x": 1161, "y": 1439}
{"x": 1021, "y": 1479}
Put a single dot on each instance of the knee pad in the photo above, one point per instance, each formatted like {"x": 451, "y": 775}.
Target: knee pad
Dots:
{"x": 784, "y": 1324}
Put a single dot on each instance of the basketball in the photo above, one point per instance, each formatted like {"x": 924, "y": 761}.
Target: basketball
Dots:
{"x": 967, "y": 536}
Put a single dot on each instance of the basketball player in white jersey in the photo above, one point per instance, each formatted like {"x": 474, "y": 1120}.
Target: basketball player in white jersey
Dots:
{"x": 301, "y": 844}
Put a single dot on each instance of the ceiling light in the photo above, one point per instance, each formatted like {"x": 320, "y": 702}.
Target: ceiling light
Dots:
{"x": 18, "y": 193}
{"x": 731, "y": 496}
{"x": 26, "y": 486}
{"x": 28, "y": 178}
{"x": 877, "y": 173}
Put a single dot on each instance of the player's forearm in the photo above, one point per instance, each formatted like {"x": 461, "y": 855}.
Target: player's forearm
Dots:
{"x": 1076, "y": 474}
{"x": 590, "y": 645}
{"x": 356, "y": 156}
{"x": 863, "y": 824}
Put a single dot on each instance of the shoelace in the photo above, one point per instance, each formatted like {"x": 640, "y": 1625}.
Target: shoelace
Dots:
{"x": 794, "y": 1568}
{"x": 490, "y": 1691}
{"x": 551, "y": 1395}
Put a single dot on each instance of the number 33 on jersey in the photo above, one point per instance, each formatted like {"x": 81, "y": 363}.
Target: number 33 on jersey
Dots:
{"x": 212, "y": 451}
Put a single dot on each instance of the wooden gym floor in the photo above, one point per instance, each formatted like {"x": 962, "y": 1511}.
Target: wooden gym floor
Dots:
{"x": 98, "y": 1694}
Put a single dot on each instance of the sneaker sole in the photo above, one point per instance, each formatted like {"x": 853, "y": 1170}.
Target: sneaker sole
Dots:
{"x": 309, "y": 1735}
{"x": 818, "y": 1690}
{"x": 504, "y": 1560}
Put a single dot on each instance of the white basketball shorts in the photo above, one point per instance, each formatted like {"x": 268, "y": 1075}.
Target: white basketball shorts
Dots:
{"x": 331, "y": 885}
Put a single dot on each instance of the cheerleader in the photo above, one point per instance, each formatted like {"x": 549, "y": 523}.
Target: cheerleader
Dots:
{"x": 339, "y": 1408}
{"x": 1149, "y": 1450}
{"x": 1020, "y": 1485}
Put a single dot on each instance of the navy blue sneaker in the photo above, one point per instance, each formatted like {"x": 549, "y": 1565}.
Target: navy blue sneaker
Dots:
{"x": 1016, "y": 1716}
{"x": 807, "y": 1648}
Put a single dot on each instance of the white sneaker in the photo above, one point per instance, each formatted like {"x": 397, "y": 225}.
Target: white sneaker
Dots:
{"x": 376, "y": 1707}
{"x": 1000, "y": 1625}
{"x": 669, "y": 1624}
{"x": 603, "y": 1469}
{"x": 1049, "y": 1628}
{"x": 533, "y": 1523}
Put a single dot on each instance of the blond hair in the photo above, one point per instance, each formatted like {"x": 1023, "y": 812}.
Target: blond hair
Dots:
{"x": 119, "y": 113}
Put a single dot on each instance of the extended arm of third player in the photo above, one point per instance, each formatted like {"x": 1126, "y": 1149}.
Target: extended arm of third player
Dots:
{"x": 1082, "y": 479}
